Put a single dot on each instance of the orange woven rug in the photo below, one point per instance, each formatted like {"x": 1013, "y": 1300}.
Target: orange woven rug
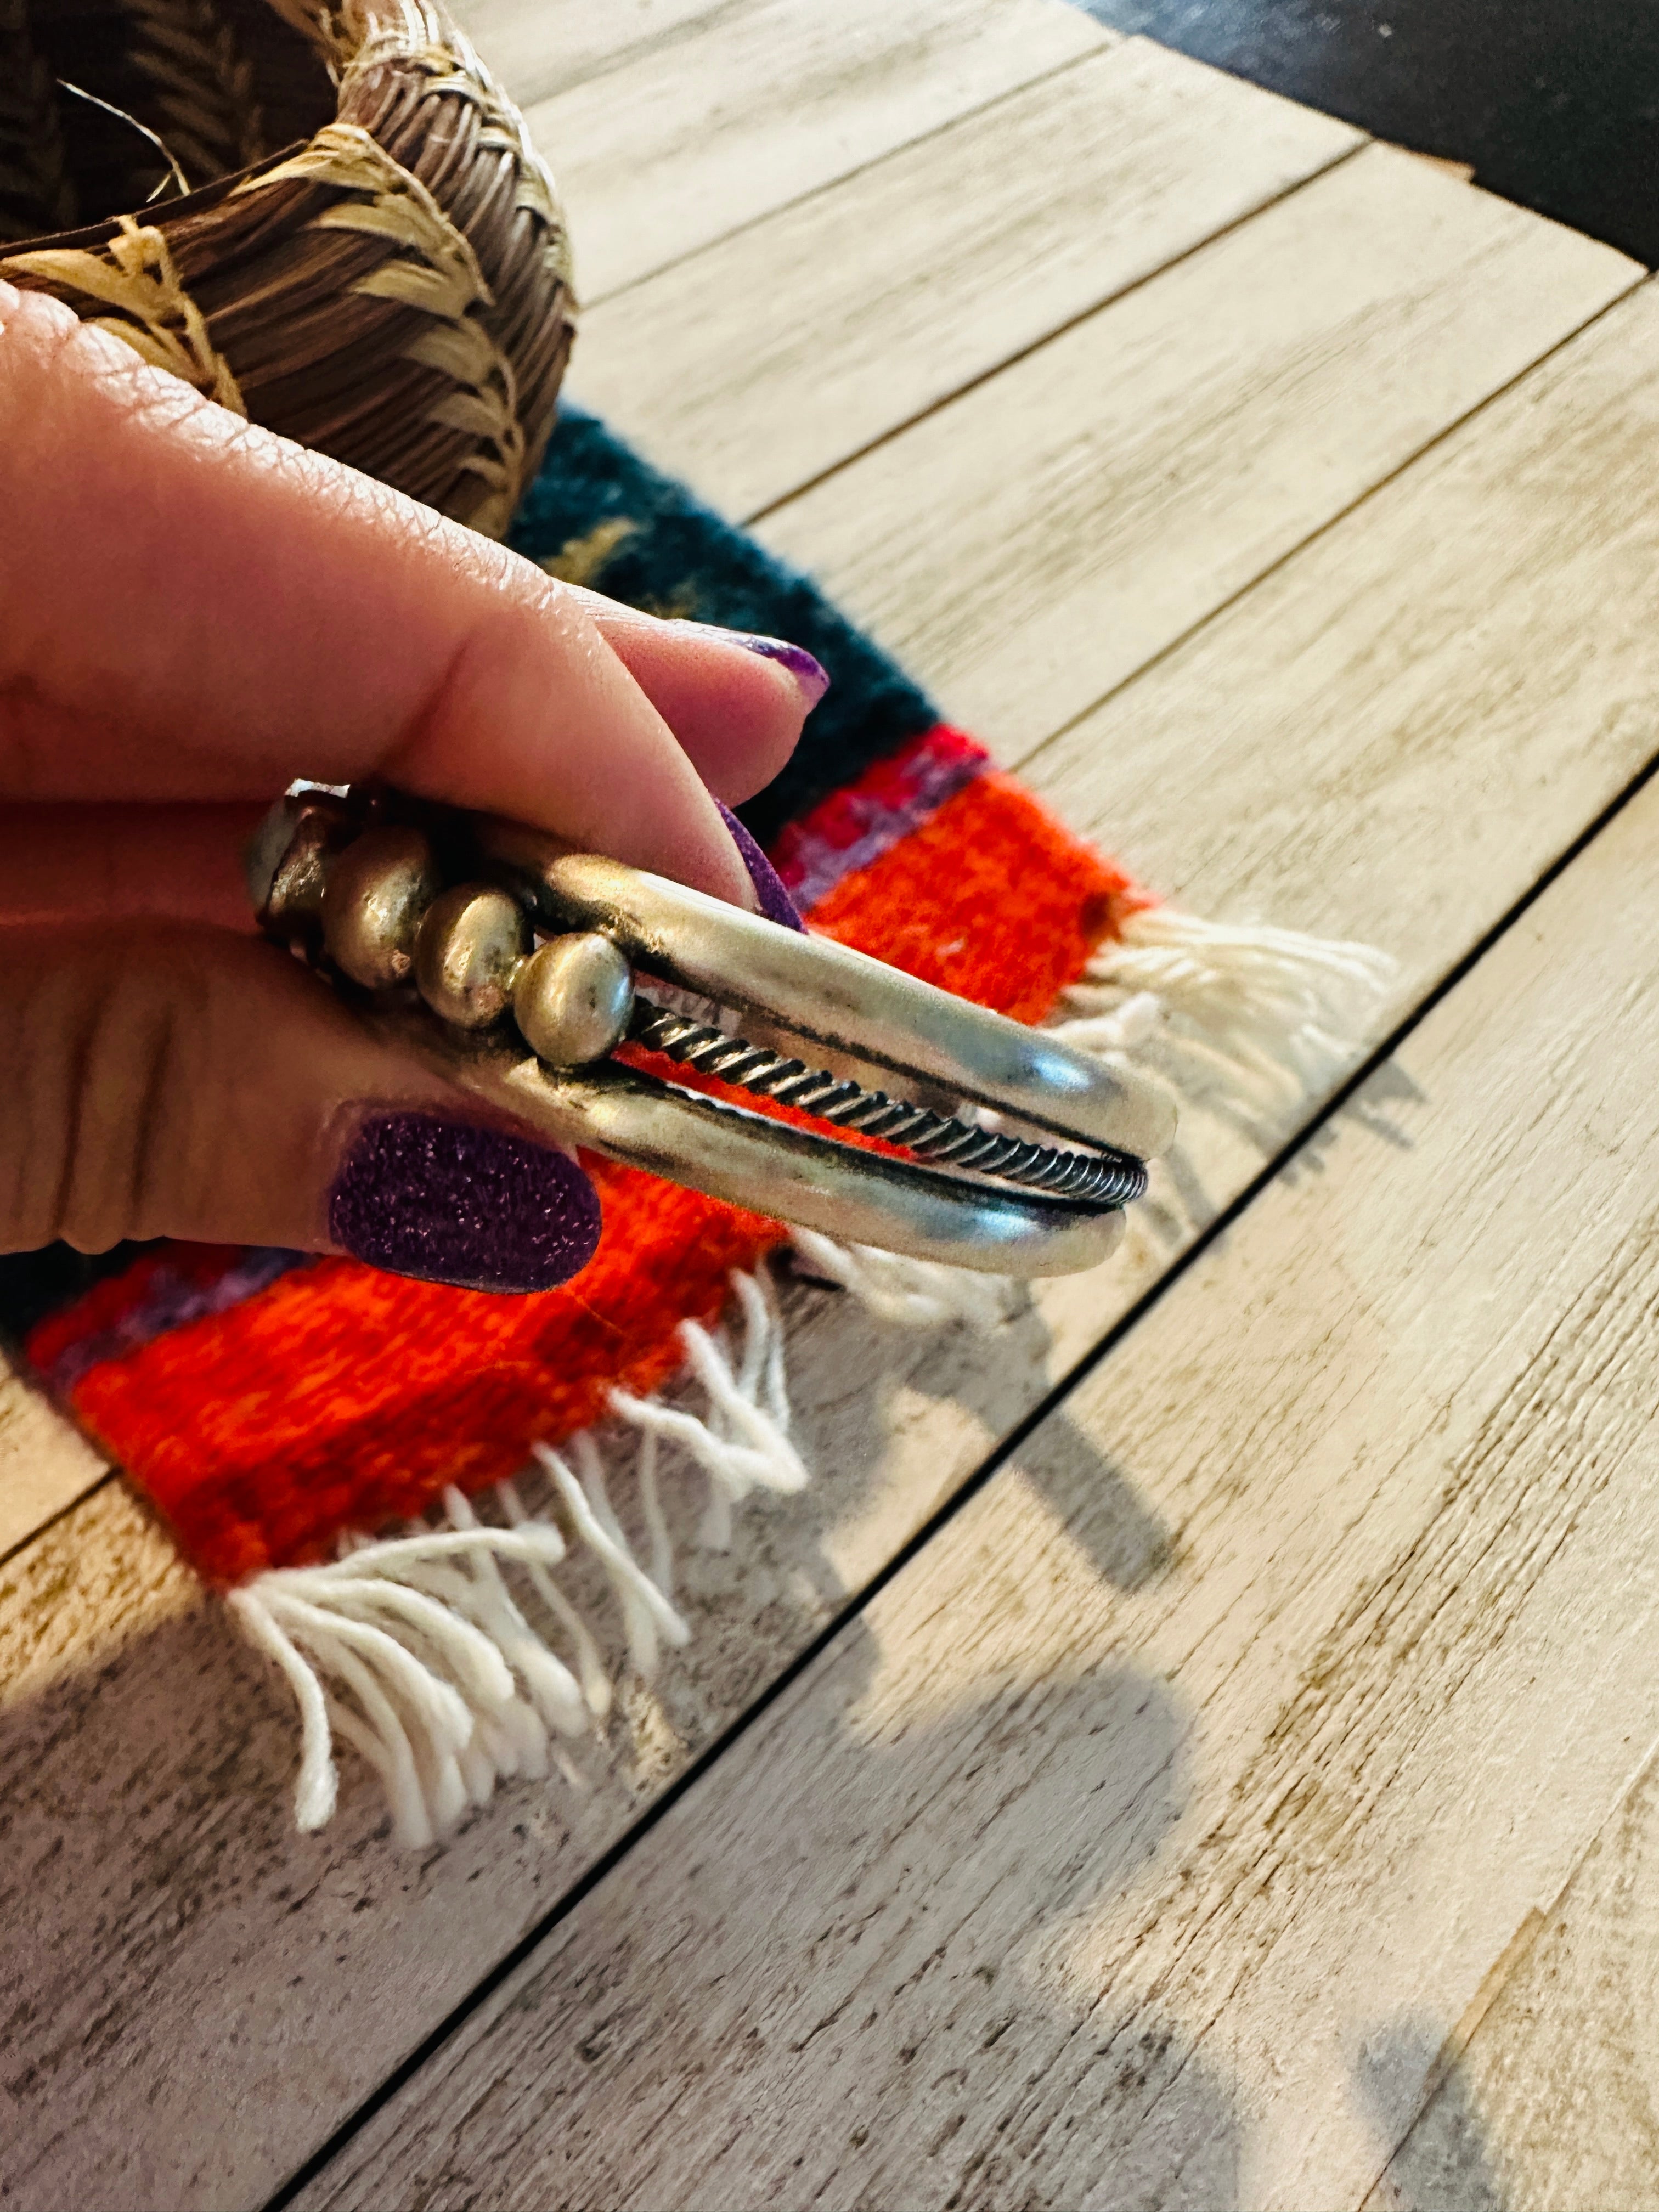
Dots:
{"x": 386, "y": 1477}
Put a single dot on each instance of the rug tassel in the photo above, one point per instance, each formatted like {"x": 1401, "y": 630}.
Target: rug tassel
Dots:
{"x": 743, "y": 1443}
{"x": 1249, "y": 1020}
{"x": 412, "y": 1628}
{"x": 906, "y": 1293}
{"x": 414, "y": 1651}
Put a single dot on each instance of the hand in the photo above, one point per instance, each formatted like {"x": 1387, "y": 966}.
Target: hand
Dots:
{"x": 193, "y": 613}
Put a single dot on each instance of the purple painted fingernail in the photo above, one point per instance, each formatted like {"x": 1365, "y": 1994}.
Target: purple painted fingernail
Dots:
{"x": 459, "y": 1202}
{"x": 811, "y": 675}
{"x": 775, "y": 903}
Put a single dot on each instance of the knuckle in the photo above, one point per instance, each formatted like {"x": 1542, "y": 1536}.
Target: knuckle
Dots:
{"x": 99, "y": 1085}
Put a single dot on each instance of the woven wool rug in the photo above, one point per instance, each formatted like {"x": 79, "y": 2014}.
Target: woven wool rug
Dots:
{"x": 386, "y": 1477}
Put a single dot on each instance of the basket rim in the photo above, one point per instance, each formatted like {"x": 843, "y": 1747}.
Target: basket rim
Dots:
{"x": 157, "y": 215}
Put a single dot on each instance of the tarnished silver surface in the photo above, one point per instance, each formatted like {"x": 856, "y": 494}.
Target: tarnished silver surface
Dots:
{"x": 940, "y": 1139}
{"x": 859, "y": 1197}
{"x": 823, "y": 1028}
{"x": 794, "y": 1174}
{"x": 287, "y": 863}
{"x": 376, "y": 891}
{"x": 472, "y": 942}
{"x": 573, "y": 999}
{"x": 839, "y": 1000}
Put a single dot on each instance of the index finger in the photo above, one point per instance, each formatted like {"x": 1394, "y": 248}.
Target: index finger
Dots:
{"x": 193, "y": 608}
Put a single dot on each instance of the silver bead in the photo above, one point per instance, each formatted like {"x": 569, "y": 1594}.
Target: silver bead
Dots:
{"x": 573, "y": 999}
{"x": 287, "y": 861}
{"x": 468, "y": 954}
{"x": 377, "y": 891}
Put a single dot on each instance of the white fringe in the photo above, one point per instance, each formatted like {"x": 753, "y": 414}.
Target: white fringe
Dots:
{"x": 415, "y": 1650}
{"x": 1248, "y": 1021}
{"x": 912, "y": 1293}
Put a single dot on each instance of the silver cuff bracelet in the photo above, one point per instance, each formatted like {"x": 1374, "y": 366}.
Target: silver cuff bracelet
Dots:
{"x": 520, "y": 966}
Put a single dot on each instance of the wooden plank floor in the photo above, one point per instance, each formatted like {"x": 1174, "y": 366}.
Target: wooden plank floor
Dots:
{"x": 1546, "y": 2092}
{"x": 1293, "y": 518}
{"x": 1030, "y": 546}
{"x": 44, "y": 1463}
{"x": 690, "y": 138}
{"x": 541, "y": 47}
{"x": 926, "y": 271}
{"x": 1086, "y": 1869}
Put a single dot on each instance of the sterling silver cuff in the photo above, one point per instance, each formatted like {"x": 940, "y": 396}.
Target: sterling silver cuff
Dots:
{"x": 522, "y": 968}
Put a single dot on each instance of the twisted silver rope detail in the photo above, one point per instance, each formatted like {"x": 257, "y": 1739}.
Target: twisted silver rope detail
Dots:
{"x": 1098, "y": 1179}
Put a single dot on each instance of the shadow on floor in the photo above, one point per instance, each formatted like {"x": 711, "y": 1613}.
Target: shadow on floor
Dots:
{"x": 1444, "y": 2160}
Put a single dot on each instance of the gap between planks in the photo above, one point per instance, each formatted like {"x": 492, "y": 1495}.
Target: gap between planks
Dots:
{"x": 1026, "y": 548}
{"x": 46, "y": 1463}
{"x": 1504, "y": 580}
{"x": 1149, "y": 1833}
{"x": 935, "y": 267}
{"x": 1497, "y": 285}
{"x": 774, "y": 99}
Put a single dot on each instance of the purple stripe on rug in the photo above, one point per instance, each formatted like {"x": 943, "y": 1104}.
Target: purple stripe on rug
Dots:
{"x": 170, "y": 1300}
{"x": 855, "y": 827}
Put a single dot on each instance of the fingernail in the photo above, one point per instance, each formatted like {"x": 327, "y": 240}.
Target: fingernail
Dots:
{"x": 775, "y": 903}
{"x": 461, "y": 1203}
{"x": 811, "y": 675}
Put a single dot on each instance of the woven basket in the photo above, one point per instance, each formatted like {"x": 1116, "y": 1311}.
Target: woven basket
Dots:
{"x": 370, "y": 257}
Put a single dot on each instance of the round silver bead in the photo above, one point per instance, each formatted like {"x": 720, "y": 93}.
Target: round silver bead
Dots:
{"x": 468, "y": 954}
{"x": 287, "y": 865}
{"x": 573, "y": 999}
{"x": 377, "y": 891}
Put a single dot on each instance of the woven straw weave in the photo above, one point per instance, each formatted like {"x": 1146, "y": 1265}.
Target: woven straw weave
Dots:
{"x": 369, "y": 257}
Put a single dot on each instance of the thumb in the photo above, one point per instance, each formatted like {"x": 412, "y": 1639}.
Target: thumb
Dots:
{"x": 172, "y": 1081}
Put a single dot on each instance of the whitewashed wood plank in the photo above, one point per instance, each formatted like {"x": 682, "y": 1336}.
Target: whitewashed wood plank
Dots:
{"x": 46, "y": 1463}
{"x": 1550, "y": 2095}
{"x": 1461, "y": 671}
{"x": 295, "y": 1973}
{"x": 540, "y": 47}
{"x": 1057, "y": 1884}
{"x": 927, "y": 271}
{"x": 772, "y": 99}
{"x": 161, "y": 1922}
{"x": 1029, "y": 546}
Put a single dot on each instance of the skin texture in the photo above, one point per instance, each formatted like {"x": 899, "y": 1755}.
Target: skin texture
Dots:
{"x": 193, "y": 613}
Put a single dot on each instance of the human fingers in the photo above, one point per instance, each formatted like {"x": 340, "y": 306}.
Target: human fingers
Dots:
{"x": 731, "y": 729}
{"x": 167, "y": 1081}
{"x": 110, "y": 863}
{"x": 190, "y": 607}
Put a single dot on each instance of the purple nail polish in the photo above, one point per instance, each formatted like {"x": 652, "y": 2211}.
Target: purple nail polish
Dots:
{"x": 462, "y": 1203}
{"x": 811, "y": 675}
{"x": 775, "y": 903}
